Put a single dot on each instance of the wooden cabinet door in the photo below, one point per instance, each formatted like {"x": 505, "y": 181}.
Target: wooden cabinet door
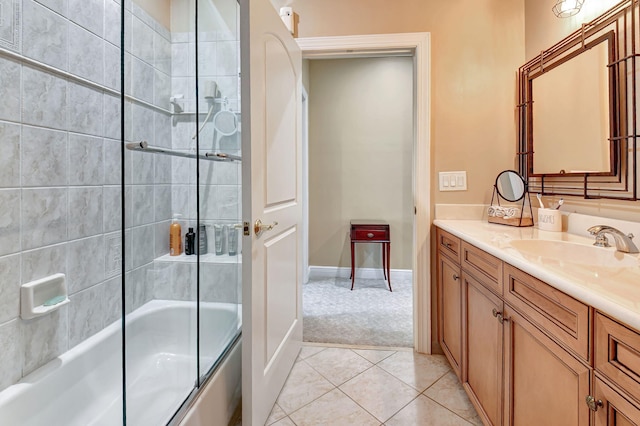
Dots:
{"x": 450, "y": 312}
{"x": 612, "y": 408}
{"x": 483, "y": 350}
{"x": 544, "y": 384}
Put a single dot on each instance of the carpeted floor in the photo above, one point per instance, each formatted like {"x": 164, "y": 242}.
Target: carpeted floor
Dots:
{"x": 368, "y": 315}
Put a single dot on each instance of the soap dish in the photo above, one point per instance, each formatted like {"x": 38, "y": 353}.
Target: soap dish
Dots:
{"x": 40, "y": 297}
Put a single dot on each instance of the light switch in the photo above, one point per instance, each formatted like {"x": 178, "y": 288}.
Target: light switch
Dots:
{"x": 453, "y": 181}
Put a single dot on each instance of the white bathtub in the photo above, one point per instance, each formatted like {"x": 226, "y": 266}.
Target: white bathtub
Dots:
{"x": 84, "y": 385}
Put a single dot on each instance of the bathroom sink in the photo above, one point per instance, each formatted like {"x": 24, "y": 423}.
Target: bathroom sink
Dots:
{"x": 588, "y": 256}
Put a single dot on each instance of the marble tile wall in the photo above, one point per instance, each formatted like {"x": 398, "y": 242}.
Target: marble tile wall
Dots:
{"x": 220, "y": 183}
{"x": 60, "y": 169}
{"x": 220, "y": 190}
{"x": 60, "y": 172}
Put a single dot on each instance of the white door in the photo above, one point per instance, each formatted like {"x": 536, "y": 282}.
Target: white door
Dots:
{"x": 272, "y": 274}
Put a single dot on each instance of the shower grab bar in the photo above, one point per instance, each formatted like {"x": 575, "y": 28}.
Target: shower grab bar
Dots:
{"x": 64, "y": 74}
{"x": 143, "y": 146}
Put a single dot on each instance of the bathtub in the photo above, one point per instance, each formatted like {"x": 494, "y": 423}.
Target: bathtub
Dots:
{"x": 84, "y": 385}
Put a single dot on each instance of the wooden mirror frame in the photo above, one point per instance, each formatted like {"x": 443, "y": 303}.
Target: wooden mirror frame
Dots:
{"x": 619, "y": 28}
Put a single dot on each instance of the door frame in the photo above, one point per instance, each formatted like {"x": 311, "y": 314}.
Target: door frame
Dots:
{"x": 305, "y": 185}
{"x": 420, "y": 45}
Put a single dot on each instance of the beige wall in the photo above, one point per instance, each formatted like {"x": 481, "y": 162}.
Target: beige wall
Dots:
{"x": 212, "y": 15}
{"x": 476, "y": 49}
{"x": 543, "y": 30}
{"x": 160, "y": 10}
{"x": 360, "y": 157}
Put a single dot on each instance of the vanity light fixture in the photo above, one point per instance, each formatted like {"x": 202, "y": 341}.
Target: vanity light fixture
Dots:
{"x": 566, "y": 8}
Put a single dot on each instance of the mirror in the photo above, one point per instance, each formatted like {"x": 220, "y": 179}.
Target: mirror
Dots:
{"x": 510, "y": 185}
{"x": 577, "y": 111}
{"x": 571, "y": 108}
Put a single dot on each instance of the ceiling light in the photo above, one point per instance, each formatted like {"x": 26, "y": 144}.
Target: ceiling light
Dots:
{"x": 566, "y": 8}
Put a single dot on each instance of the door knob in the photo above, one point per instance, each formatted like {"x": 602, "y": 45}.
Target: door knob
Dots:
{"x": 260, "y": 227}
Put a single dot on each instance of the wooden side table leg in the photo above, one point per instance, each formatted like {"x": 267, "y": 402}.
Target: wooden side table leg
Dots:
{"x": 389, "y": 265}
{"x": 384, "y": 260}
{"x": 353, "y": 264}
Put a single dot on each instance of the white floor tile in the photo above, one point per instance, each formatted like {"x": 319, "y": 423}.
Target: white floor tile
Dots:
{"x": 417, "y": 370}
{"x": 449, "y": 392}
{"x": 333, "y": 408}
{"x": 284, "y": 422}
{"x": 424, "y": 412}
{"x": 379, "y": 392}
{"x": 303, "y": 385}
{"x": 374, "y": 356}
{"x": 308, "y": 351}
{"x": 338, "y": 365}
{"x": 277, "y": 413}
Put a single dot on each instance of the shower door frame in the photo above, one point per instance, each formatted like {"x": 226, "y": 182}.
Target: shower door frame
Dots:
{"x": 420, "y": 46}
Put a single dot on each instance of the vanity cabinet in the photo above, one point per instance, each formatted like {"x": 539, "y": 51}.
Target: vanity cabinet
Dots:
{"x": 450, "y": 300}
{"x": 483, "y": 354}
{"x": 526, "y": 346}
{"x": 544, "y": 383}
{"x": 613, "y": 409}
{"x": 616, "y": 395}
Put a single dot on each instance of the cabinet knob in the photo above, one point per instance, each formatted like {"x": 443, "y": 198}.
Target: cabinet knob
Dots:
{"x": 448, "y": 245}
{"x": 369, "y": 235}
{"x": 455, "y": 277}
{"x": 593, "y": 403}
{"x": 496, "y": 313}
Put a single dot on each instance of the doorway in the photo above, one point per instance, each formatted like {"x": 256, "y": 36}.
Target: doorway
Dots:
{"x": 417, "y": 47}
{"x": 360, "y": 168}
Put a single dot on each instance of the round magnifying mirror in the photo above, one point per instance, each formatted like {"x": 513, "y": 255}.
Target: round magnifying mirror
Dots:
{"x": 510, "y": 185}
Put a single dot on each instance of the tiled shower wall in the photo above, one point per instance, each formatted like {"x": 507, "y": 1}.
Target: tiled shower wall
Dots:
{"x": 220, "y": 182}
{"x": 60, "y": 170}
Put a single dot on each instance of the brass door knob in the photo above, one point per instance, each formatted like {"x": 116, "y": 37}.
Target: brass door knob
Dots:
{"x": 260, "y": 227}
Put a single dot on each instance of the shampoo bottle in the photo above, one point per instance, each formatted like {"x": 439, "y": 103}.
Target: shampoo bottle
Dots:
{"x": 189, "y": 242}
{"x": 175, "y": 237}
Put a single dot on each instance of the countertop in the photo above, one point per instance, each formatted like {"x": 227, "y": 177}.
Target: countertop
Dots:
{"x": 615, "y": 292}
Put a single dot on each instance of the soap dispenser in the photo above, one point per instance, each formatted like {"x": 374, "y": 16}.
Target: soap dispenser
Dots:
{"x": 175, "y": 237}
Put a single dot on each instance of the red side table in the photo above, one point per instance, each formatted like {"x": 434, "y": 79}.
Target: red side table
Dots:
{"x": 371, "y": 231}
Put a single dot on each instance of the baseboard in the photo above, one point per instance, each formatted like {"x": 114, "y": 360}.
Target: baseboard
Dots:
{"x": 320, "y": 272}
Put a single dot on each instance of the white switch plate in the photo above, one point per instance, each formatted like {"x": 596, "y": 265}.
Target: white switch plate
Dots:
{"x": 453, "y": 181}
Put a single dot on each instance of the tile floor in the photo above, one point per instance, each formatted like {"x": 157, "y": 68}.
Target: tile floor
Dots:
{"x": 350, "y": 386}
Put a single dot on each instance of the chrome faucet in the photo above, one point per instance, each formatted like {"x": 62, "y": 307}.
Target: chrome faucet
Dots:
{"x": 623, "y": 242}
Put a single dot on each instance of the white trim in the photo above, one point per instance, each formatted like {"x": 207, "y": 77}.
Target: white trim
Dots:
{"x": 420, "y": 43}
{"x": 320, "y": 272}
{"x": 305, "y": 185}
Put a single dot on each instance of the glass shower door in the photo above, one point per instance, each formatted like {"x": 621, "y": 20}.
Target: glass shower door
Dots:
{"x": 182, "y": 167}
{"x": 219, "y": 181}
{"x": 160, "y": 197}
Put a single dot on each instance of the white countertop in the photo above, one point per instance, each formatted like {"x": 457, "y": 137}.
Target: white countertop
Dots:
{"x": 616, "y": 293}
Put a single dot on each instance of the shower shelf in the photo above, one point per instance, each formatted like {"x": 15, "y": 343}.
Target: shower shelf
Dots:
{"x": 143, "y": 146}
{"x": 205, "y": 258}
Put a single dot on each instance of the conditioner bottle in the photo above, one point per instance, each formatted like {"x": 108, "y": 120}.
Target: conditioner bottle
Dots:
{"x": 175, "y": 237}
